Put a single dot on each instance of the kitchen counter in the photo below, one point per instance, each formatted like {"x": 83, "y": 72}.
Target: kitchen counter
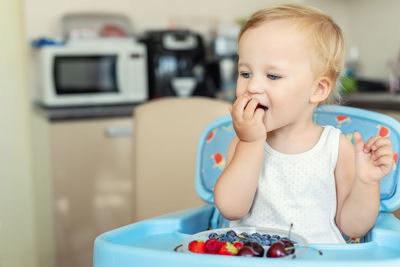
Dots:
{"x": 376, "y": 100}
{"x": 84, "y": 112}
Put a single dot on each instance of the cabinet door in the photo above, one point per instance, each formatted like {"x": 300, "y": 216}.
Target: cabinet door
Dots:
{"x": 93, "y": 185}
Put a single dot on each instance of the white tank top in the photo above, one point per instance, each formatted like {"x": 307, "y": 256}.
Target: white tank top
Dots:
{"x": 299, "y": 189}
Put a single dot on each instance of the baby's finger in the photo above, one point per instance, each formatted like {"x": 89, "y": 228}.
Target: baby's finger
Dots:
{"x": 381, "y": 142}
{"x": 238, "y": 107}
{"x": 370, "y": 142}
{"x": 383, "y": 151}
{"x": 250, "y": 108}
{"x": 358, "y": 142}
{"x": 259, "y": 114}
{"x": 386, "y": 162}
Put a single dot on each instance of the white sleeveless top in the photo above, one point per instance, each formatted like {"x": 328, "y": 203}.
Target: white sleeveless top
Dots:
{"x": 299, "y": 189}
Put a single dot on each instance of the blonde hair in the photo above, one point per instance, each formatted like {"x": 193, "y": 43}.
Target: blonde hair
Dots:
{"x": 327, "y": 38}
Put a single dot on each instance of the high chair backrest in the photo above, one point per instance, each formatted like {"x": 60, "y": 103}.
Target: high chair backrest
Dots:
{"x": 214, "y": 141}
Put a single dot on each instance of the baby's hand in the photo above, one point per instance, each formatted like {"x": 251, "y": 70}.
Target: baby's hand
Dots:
{"x": 248, "y": 119}
{"x": 374, "y": 159}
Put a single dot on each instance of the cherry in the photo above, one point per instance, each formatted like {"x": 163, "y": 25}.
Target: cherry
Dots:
{"x": 277, "y": 250}
{"x": 257, "y": 248}
{"x": 246, "y": 251}
{"x": 289, "y": 246}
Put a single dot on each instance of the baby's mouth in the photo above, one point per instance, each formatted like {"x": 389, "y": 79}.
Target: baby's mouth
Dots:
{"x": 265, "y": 108}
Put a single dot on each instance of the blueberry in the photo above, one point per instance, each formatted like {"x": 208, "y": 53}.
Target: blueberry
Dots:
{"x": 213, "y": 236}
{"x": 231, "y": 233}
{"x": 266, "y": 237}
{"x": 256, "y": 239}
{"x": 245, "y": 234}
{"x": 276, "y": 237}
{"x": 273, "y": 239}
{"x": 222, "y": 238}
{"x": 256, "y": 235}
{"x": 265, "y": 242}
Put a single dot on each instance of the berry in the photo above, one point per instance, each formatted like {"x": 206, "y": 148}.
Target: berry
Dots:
{"x": 197, "y": 246}
{"x": 212, "y": 246}
{"x": 228, "y": 248}
{"x": 231, "y": 236}
{"x": 289, "y": 246}
{"x": 256, "y": 247}
{"x": 245, "y": 235}
{"x": 277, "y": 250}
{"x": 246, "y": 251}
{"x": 276, "y": 237}
{"x": 265, "y": 237}
{"x": 213, "y": 235}
{"x": 265, "y": 242}
{"x": 238, "y": 245}
{"x": 222, "y": 238}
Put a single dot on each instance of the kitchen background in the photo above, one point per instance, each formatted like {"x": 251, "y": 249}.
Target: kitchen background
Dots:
{"x": 371, "y": 29}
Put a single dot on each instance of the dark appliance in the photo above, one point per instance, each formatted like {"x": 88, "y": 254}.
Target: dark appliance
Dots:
{"x": 176, "y": 64}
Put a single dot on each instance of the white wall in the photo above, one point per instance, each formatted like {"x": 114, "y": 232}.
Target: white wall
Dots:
{"x": 375, "y": 30}
{"x": 43, "y": 16}
{"x": 369, "y": 25}
{"x": 16, "y": 195}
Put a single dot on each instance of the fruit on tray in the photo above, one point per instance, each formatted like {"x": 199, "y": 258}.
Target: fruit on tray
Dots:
{"x": 244, "y": 244}
{"x": 228, "y": 249}
{"x": 277, "y": 250}
{"x": 197, "y": 246}
{"x": 289, "y": 246}
{"x": 281, "y": 248}
{"x": 213, "y": 245}
{"x": 251, "y": 249}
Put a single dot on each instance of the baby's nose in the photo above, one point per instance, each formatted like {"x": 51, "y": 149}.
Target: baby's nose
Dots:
{"x": 255, "y": 88}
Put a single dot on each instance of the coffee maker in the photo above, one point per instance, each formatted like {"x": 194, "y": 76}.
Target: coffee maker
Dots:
{"x": 176, "y": 64}
{"x": 226, "y": 54}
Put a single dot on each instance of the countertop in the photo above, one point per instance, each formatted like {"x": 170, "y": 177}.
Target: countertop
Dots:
{"x": 378, "y": 100}
{"x": 84, "y": 112}
{"x": 375, "y": 100}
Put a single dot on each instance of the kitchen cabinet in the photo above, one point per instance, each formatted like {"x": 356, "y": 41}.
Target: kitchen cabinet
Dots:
{"x": 83, "y": 185}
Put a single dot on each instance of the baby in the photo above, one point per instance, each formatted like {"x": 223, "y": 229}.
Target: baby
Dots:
{"x": 282, "y": 168}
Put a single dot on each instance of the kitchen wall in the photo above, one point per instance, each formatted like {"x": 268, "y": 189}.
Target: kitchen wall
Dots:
{"x": 16, "y": 209}
{"x": 43, "y": 16}
{"x": 374, "y": 27}
{"x": 370, "y": 26}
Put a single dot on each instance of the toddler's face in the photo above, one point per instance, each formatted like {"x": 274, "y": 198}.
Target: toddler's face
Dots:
{"x": 275, "y": 68}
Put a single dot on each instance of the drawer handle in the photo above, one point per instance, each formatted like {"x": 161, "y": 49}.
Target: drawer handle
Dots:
{"x": 119, "y": 131}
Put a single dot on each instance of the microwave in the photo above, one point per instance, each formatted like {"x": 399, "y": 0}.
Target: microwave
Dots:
{"x": 92, "y": 72}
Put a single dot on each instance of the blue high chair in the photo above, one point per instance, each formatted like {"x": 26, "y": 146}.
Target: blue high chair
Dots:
{"x": 152, "y": 242}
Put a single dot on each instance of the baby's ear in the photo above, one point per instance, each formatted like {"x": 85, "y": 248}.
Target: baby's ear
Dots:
{"x": 322, "y": 89}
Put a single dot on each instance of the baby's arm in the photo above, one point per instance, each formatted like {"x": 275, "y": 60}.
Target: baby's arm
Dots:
{"x": 358, "y": 173}
{"x": 235, "y": 188}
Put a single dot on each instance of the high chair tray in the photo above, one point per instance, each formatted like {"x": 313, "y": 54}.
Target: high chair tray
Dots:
{"x": 152, "y": 242}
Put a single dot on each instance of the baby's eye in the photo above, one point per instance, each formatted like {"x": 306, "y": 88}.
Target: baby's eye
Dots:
{"x": 273, "y": 77}
{"x": 245, "y": 75}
